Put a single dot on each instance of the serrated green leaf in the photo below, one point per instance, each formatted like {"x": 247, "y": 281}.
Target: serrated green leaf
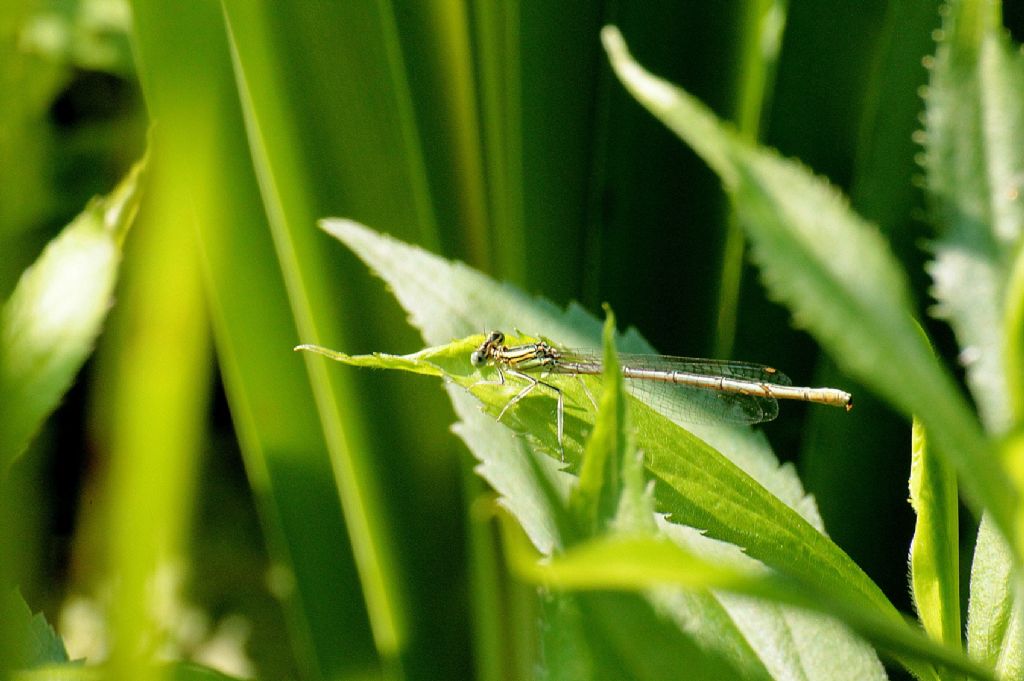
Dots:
{"x": 447, "y": 300}
{"x": 836, "y": 274}
{"x": 50, "y": 323}
{"x": 694, "y": 482}
{"x": 975, "y": 174}
{"x": 934, "y": 552}
{"x": 448, "y": 360}
{"x": 38, "y": 643}
{"x": 995, "y": 614}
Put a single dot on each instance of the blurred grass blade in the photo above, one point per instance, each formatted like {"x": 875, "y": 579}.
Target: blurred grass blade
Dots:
{"x": 151, "y": 400}
{"x": 934, "y": 552}
{"x": 639, "y": 563}
{"x": 1013, "y": 324}
{"x": 289, "y": 209}
{"x": 190, "y": 90}
{"x": 763, "y": 25}
{"x": 836, "y": 274}
{"x": 498, "y": 61}
{"x": 49, "y": 324}
{"x": 537, "y": 118}
{"x": 974, "y": 137}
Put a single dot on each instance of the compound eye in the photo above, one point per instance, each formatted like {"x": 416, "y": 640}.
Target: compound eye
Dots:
{"x": 496, "y": 338}
{"x": 477, "y": 358}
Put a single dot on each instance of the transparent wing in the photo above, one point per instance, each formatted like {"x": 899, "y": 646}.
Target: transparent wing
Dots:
{"x": 747, "y": 371}
{"x": 687, "y": 404}
{"x": 691, "y": 404}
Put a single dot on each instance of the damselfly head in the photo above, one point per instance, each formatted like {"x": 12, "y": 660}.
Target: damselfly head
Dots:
{"x": 479, "y": 356}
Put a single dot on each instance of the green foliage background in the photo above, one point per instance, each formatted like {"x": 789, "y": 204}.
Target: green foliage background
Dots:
{"x": 333, "y": 504}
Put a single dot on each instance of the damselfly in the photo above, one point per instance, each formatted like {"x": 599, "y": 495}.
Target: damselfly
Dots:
{"x": 741, "y": 392}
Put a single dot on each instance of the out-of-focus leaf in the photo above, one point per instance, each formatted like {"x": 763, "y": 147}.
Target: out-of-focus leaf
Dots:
{"x": 50, "y": 323}
{"x": 763, "y": 25}
{"x": 177, "y": 671}
{"x": 594, "y": 636}
{"x": 88, "y": 34}
{"x": 151, "y": 399}
{"x": 1014, "y": 325}
{"x": 285, "y": 151}
{"x": 975, "y": 175}
{"x": 28, "y": 85}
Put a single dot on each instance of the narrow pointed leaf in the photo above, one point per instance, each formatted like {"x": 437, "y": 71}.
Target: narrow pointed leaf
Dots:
{"x": 934, "y": 553}
{"x": 595, "y": 500}
{"x": 289, "y": 197}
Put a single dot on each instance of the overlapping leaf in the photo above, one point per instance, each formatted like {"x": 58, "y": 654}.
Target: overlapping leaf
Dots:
{"x": 694, "y": 482}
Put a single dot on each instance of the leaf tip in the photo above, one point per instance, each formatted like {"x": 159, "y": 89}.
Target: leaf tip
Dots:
{"x": 612, "y": 40}
{"x": 340, "y": 227}
{"x": 321, "y": 350}
{"x": 117, "y": 210}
